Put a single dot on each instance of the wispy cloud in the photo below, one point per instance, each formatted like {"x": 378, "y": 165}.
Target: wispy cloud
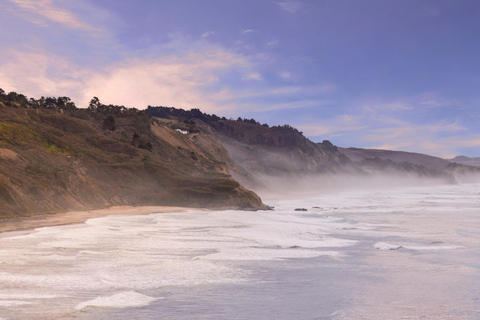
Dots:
{"x": 181, "y": 73}
{"x": 272, "y": 43}
{"x": 249, "y": 31}
{"x": 290, "y": 6}
{"x": 304, "y": 91}
{"x": 285, "y": 75}
{"x": 252, "y": 76}
{"x": 207, "y": 34}
{"x": 391, "y": 126}
{"x": 186, "y": 79}
{"x": 36, "y": 72}
{"x": 470, "y": 142}
{"x": 388, "y": 107}
{"x": 41, "y": 12}
{"x": 335, "y": 126}
{"x": 435, "y": 138}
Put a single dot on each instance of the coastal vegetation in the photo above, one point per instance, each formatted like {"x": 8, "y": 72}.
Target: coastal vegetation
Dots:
{"x": 68, "y": 158}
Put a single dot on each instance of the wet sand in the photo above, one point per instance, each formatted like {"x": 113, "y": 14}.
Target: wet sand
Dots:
{"x": 72, "y": 217}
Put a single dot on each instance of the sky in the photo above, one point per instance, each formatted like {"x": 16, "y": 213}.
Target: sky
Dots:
{"x": 389, "y": 74}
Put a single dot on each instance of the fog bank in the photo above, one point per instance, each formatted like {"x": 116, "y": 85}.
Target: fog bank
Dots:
{"x": 295, "y": 186}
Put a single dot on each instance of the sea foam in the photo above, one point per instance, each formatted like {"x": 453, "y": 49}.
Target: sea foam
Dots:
{"x": 125, "y": 299}
{"x": 432, "y": 247}
{"x": 10, "y": 303}
{"x": 127, "y": 255}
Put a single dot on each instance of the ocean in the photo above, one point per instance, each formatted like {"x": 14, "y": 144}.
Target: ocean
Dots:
{"x": 406, "y": 253}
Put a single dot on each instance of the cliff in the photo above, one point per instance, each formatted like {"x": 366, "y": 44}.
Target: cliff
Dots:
{"x": 260, "y": 153}
{"x": 55, "y": 158}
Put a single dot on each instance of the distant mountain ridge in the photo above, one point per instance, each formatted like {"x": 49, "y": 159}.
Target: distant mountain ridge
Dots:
{"x": 431, "y": 162}
{"x": 467, "y": 161}
{"x": 384, "y": 161}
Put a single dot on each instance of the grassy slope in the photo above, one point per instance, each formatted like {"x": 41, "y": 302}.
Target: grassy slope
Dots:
{"x": 51, "y": 161}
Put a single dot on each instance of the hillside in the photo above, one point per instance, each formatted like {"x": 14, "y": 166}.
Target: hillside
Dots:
{"x": 467, "y": 161}
{"x": 282, "y": 159}
{"x": 430, "y": 162}
{"x": 56, "y": 157}
{"x": 421, "y": 165}
{"x": 261, "y": 152}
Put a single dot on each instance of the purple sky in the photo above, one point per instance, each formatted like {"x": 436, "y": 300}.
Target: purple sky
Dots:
{"x": 392, "y": 74}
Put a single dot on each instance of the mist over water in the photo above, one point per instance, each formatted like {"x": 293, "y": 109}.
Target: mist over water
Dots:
{"x": 357, "y": 254}
{"x": 300, "y": 186}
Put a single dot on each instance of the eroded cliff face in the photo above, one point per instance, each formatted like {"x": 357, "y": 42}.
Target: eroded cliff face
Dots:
{"x": 50, "y": 161}
{"x": 261, "y": 157}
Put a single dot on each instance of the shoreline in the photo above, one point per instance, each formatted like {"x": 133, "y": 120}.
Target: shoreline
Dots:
{"x": 75, "y": 217}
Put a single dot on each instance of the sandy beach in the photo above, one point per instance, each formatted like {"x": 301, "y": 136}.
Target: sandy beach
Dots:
{"x": 72, "y": 217}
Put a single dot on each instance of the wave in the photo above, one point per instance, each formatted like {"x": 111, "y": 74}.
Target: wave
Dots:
{"x": 126, "y": 299}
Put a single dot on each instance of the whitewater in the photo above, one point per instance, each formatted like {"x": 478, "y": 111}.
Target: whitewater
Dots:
{"x": 409, "y": 253}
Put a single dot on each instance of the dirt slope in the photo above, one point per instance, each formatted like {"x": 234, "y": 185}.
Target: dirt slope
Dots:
{"x": 51, "y": 161}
